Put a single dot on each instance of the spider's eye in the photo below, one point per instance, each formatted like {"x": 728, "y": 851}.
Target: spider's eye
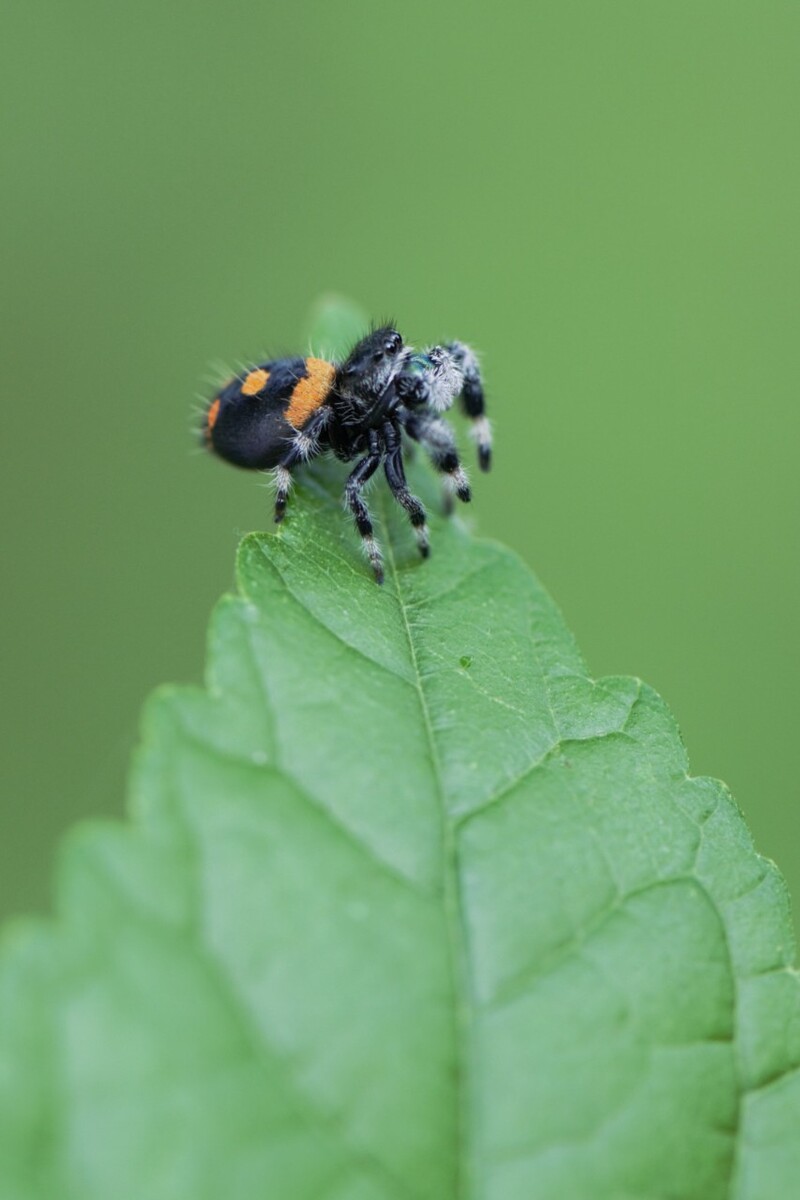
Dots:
{"x": 390, "y": 347}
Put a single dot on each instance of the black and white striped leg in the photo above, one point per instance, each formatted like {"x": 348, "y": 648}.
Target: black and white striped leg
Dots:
{"x": 304, "y": 446}
{"x": 283, "y": 485}
{"x": 438, "y": 439}
{"x": 363, "y": 471}
{"x": 396, "y": 478}
{"x": 472, "y": 401}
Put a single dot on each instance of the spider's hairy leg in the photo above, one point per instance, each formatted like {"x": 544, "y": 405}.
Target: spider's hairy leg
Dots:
{"x": 307, "y": 439}
{"x": 304, "y": 446}
{"x": 282, "y": 477}
{"x": 396, "y": 478}
{"x": 437, "y": 437}
{"x": 358, "y": 477}
{"x": 472, "y": 401}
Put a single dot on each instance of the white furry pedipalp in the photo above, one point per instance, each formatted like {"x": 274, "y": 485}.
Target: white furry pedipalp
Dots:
{"x": 445, "y": 379}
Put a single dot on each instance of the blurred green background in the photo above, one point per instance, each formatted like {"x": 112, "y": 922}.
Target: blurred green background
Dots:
{"x": 603, "y": 198}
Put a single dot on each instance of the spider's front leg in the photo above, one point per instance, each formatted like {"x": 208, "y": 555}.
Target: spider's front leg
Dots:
{"x": 472, "y": 400}
{"x": 304, "y": 446}
{"x": 396, "y": 478}
{"x": 437, "y": 437}
{"x": 356, "y": 480}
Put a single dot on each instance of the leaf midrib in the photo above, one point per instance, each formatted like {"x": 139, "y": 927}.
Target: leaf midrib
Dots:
{"x": 460, "y": 976}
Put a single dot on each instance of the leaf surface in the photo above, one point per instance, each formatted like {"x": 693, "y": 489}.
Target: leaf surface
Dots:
{"x": 408, "y": 908}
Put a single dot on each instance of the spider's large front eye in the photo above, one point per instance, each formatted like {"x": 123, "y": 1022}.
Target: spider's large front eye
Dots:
{"x": 393, "y": 343}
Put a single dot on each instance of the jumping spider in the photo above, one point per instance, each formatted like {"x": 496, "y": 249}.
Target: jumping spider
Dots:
{"x": 283, "y": 413}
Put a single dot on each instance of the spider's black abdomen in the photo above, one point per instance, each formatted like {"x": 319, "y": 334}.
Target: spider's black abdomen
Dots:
{"x": 253, "y": 420}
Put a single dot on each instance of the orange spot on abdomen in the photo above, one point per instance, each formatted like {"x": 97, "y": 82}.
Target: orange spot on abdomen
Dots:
{"x": 211, "y": 416}
{"x": 309, "y": 393}
{"x": 253, "y": 383}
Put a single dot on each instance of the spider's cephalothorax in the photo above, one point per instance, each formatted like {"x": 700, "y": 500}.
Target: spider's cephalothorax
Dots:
{"x": 283, "y": 413}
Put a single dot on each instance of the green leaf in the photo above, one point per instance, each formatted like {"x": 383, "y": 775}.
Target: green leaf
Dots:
{"x": 408, "y": 908}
